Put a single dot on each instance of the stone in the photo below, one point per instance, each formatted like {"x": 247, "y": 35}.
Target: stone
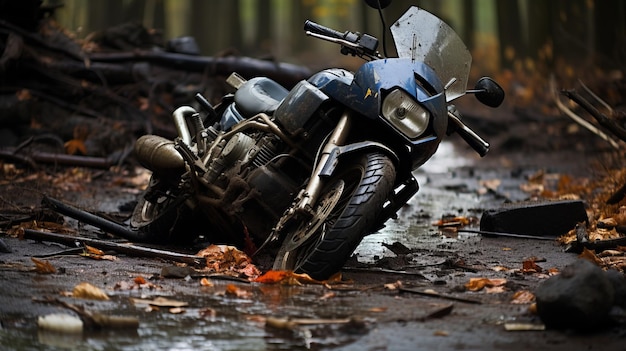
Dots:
{"x": 579, "y": 298}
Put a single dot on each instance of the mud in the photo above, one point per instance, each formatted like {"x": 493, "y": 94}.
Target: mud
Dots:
{"x": 365, "y": 312}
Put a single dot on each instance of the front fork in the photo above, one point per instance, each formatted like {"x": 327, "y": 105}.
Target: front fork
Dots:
{"x": 302, "y": 207}
{"x": 311, "y": 192}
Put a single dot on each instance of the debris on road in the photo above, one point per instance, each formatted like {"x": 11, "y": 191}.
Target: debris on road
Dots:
{"x": 540, "y": 218}
{"x": 579, "y": 298}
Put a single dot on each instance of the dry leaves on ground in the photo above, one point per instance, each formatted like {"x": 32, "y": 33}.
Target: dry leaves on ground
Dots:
{"x": 43, "y": 267}
{"x": 88, "y": 291}
{"x": 229, "y": 260}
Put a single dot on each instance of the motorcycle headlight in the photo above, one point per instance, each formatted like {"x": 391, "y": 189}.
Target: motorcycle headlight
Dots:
{"x": 404, "y": 113}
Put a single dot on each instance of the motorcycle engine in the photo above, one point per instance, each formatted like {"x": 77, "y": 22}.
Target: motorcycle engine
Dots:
{"x": 271, "y": 179}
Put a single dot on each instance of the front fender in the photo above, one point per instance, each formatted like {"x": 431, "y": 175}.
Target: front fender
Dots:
{"x": 341, "y": 151}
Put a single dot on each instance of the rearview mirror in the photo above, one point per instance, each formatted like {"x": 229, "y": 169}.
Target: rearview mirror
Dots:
{"x": 378, "y": 4}
{"x": 489, "y": 92}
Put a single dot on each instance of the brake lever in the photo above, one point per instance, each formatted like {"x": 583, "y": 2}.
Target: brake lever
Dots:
{"x": 357, "y": 49}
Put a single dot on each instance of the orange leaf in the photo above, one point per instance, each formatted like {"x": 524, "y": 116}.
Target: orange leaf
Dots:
{"x": 476, "y": 284}
{"x": 529, "y": 266}
{"x": 233, "y": 290}
{"x": 272, "y": 277}
{"x": 44, "y": 267}
{"x": 74, "y": 146}
{"x": 523, "y": 297}
{"x": 140, "y": 280}
{"x": 93, "y": 250}
{"x": 591, "y": 256}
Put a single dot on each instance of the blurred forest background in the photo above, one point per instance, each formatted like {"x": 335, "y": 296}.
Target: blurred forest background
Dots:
{"x": 59, "y": 66}
{"x": 507, "y": 34}
{"x": 526, "y": 39}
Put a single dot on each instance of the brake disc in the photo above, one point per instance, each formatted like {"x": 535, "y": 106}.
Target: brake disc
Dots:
{"x": 307, "y": 230}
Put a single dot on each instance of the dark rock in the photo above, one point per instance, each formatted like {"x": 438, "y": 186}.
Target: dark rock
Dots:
{"x": 618, "y": 281}
{"x": 579, "y": 298}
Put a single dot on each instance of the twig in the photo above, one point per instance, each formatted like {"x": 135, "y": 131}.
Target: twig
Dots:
{"x": 438, "y": 295}
{"x": 580, "y": 120}
{"x": 599, "y": 116}
{"x": 604, "y": 103}
{"x": 510, "y": 235}
{"x": 129, "y": 249}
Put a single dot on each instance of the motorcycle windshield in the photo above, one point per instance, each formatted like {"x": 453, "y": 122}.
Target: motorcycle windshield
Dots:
{"x": 421, "y": 36}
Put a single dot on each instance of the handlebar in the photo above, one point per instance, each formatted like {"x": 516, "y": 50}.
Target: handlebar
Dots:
{"x": 351, "y": 43}
{"x": 320, "y": 29}
{"x": 471, "y": 138}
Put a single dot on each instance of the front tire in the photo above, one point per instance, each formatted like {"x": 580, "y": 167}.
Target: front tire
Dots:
{"x": 365, "y": 183}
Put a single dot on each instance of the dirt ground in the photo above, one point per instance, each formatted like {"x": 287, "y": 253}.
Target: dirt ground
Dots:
{"x": 374, "y": 307}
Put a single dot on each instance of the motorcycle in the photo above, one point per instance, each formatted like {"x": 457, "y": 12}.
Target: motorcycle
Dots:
{"x": 307, "y": 173}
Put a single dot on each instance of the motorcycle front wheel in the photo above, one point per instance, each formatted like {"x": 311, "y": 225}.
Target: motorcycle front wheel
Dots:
{"x": 349, "y": 208}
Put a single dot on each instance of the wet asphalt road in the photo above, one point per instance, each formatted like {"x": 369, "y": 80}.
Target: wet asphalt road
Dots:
{"x": 362, "y": 314}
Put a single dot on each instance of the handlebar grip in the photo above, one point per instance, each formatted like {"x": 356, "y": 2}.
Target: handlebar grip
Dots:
{"x": 471, "y": 138}
{"x": 320, "y": 29}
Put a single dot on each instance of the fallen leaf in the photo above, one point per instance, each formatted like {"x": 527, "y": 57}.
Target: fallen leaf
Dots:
{"x": 476, "y": 284}
{"x": 495, "y": 289}
{"x": 291, "y": 278}
{"x": 140, "y": 280}
{"x": 227, "y": 259}
{"x": 523, "y": 297}
{"x": 591, "y": 256}
{"x": 75, "y": 146}
{"x": 99, "y": 257}
{"x": 500, "y": 269}
{"x": 177, "y": 310}
{"x": 43, "y": 267}
{"x": 233, "y": 290}
{"x": 87, "y": 291}
{"x": 529, "y": 266}
{"x": 456, "y": 221}
{"x": 523, "y": 327}
{"x": 272, "y": 276}
{"x": 160, "y": 302}
{"x": 378, "y": 309}
{"x": 328, "y": 295}
{"x": 93, "y": 250}
{"x": 393, "y": 286}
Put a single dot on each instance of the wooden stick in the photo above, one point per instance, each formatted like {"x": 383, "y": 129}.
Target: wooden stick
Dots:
{"x": 129, "y": 249}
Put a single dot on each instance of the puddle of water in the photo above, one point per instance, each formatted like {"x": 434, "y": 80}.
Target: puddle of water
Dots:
{"x": 414, "y": 226}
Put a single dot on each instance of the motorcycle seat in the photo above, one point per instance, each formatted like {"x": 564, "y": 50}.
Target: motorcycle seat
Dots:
{"x": 259, "y": 95}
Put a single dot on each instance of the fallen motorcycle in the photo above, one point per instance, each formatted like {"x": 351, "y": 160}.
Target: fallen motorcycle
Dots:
{"x": 307, "y": 173}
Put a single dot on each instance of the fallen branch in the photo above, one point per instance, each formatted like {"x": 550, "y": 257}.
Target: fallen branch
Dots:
{"x": 128, "y": 249}
{"x": 604, "y": 120}
{"x": 581, "y": 120}
{"x": 60, "y": 159}
{"x": 284, "y": 73}
{"x": 91, "y": 219}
